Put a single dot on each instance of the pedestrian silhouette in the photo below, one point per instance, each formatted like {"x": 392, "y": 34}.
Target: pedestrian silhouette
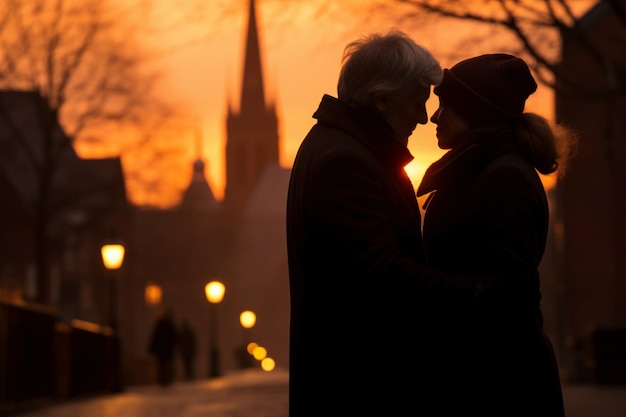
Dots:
{"x": 163, "y": 346}
{"x": 187, "y": 349}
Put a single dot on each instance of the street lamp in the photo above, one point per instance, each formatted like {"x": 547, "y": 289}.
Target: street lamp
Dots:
{"x": 247, "y": 319}
{"x": 153, "y": 294}
{"x": 113, "y": 257}
{"x": 214, "y": 291}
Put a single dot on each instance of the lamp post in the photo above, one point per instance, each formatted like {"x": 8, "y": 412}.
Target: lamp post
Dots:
{"x": 247, "y": 319}
{"x": 113, "y": 257}
{"x": 214, "y": 291}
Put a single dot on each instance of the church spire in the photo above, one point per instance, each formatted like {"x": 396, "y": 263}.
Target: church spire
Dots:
{"x": 252, "y": 94}
{"x": 198, "y": 142}
{"x": 252, "y": 133}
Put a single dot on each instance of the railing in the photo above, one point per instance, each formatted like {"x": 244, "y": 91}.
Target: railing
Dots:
{"x": 27, "y": 354}
{"x": 43, "y": 359}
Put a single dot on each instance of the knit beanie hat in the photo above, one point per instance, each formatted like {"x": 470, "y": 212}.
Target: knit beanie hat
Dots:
{"x": 487, "y": 87}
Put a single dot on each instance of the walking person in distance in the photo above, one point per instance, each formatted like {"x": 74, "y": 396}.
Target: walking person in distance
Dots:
{"x": 163, "y": 343}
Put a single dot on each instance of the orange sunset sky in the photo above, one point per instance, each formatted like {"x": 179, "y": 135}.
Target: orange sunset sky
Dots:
{"x": 302, "y": 44}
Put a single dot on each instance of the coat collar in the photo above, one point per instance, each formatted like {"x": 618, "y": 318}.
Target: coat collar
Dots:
{"x": 482, "y": 146}
{"x": 367, "y": 125}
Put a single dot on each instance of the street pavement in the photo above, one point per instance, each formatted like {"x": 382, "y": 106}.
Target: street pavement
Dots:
{"x": 254, "y": 393}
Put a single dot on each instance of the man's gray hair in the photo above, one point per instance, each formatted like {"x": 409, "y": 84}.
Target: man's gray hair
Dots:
{"x": 390, "y": 63}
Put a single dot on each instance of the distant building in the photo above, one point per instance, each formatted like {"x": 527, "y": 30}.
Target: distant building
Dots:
{"x": 179, "y": 251}
{"x": 239, "y": 241}
{"x": 56, "y": 210}
{"x": 170, "y": 253}
{"x": 591, "y": 200}
{"x": 258, "y": 271}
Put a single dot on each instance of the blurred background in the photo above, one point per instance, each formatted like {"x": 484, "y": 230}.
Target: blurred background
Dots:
{"x": 162, "y": 133}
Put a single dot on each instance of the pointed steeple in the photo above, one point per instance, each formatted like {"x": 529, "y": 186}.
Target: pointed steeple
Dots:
{"x": 252, "y": 94}
{"x": 252, "y": 133}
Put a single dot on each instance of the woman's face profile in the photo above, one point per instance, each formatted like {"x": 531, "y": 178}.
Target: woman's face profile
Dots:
{"x": 450, "y": 126}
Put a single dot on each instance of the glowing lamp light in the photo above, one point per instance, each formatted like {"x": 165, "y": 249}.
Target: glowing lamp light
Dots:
{"x": 214, "y": 291}
{"x": 153, "y": 294}
{"x": 251, "y": 346}
{"x": 247, "y": 319}
{"x": 112, "y": 255}
{"x": 259, "y": 353}
{"x": 268, "y": 364}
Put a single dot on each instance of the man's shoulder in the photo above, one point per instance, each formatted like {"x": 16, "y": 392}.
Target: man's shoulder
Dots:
{"x": 327, "y": 148}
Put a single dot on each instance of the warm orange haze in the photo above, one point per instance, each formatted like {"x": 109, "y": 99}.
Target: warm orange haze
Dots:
{"x": 200, "y": 51}
{"x": 140, "y": 145}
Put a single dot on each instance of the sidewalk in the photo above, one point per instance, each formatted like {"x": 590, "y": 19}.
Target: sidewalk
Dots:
{"x": 254, "y": 393}
{"x": 250, "y": 393}
{"x": 594, "y": 400}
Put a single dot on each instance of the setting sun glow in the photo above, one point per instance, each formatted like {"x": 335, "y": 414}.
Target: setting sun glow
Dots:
{"x": 300, "y": 63}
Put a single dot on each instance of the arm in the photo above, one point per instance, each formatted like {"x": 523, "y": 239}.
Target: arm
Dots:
{"x": 371, "y": 226}
{"x": 511, "y": 210}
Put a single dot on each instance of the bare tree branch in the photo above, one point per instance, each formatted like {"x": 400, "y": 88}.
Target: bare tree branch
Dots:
{"x": 537, "y": 26}
{"x": 84, "y": 59}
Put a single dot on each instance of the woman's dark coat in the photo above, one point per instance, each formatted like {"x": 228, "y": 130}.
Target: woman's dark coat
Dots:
{"x": 488, "y": 214}
{"x": 356, "y": 271}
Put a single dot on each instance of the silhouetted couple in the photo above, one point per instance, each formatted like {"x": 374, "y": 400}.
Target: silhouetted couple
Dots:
{"x": 388, "y": 321}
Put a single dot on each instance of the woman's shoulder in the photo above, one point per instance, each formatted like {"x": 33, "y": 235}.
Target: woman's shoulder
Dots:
{"x": 510, "y": 174}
